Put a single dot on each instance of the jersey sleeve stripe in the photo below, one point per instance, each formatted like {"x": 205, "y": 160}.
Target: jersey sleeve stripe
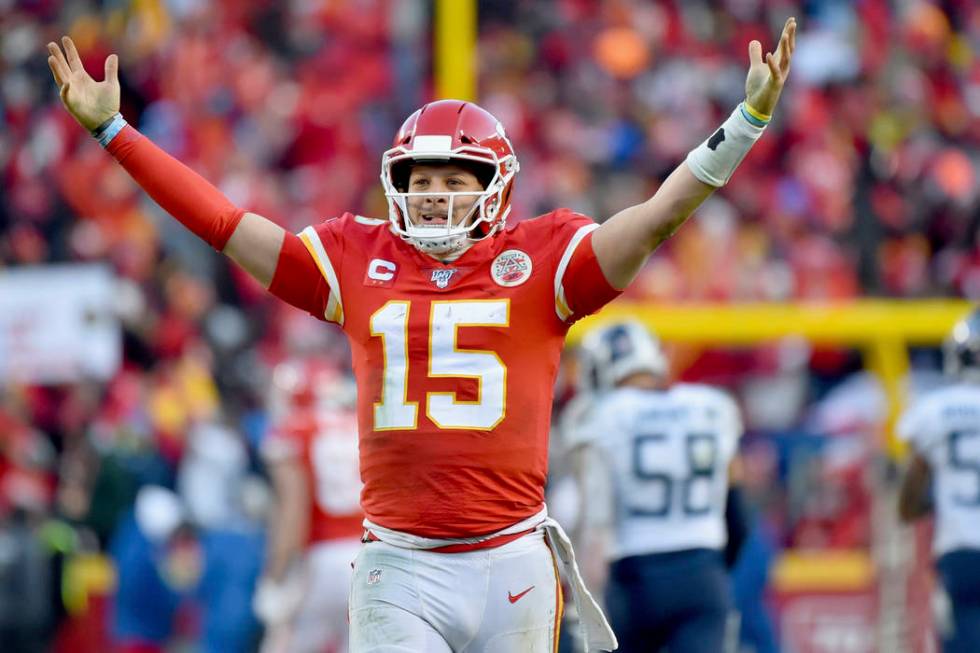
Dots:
{"x": 561, "y": 304}
{"x": 335, "y": 306}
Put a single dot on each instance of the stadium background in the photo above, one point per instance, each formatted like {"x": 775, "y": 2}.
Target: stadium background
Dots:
{"x": 865, "y": 186}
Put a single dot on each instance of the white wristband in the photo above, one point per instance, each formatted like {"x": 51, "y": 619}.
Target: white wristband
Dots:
{"x": 714, "y": 160}
{"x": 106, "y": 132}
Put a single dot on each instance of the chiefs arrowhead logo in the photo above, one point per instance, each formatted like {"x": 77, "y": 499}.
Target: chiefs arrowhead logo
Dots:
{"x": 511, "y": 268}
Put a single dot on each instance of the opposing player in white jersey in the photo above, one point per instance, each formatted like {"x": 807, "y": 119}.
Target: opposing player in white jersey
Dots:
{"x": 316, "y": 530}
{"x": 653, "y": 464}
{"x": 943, "y": 429}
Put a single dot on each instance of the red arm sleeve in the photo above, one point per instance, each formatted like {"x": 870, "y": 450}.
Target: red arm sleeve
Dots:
{"x": 181, "y": 192}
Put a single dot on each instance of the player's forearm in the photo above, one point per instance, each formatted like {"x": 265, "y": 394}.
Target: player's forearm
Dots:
{"x": 738, "y": 523}
{"x": 594, "y": 551}
{"x": 913, "y": 500}
{"x": 180, "y": 191}
{"x": 249, "y": 239}
{"x": 624, "y": 242}
{"x": 913, "y": 504}
{"x": 288, "y": 525}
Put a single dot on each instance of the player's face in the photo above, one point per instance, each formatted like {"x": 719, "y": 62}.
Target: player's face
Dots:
{"x": 433, "y": 210}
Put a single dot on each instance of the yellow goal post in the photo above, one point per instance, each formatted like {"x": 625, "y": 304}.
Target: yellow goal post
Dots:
{"x": 881, "y": 329}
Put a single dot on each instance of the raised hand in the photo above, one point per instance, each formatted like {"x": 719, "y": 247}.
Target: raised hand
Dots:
{"x": 766, "y": 76}
{"x": 91, "y": 103}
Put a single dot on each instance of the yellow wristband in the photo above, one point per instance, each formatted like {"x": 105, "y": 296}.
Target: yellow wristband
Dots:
{"x": 755, "y": 113}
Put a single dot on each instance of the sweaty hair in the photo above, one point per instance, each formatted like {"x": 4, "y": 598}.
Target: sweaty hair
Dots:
{"x": 402, "y": 170}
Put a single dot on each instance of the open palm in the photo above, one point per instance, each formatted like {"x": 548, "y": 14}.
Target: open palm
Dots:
{"x": 90, "y": 102}
{"x": 766, "y": 76}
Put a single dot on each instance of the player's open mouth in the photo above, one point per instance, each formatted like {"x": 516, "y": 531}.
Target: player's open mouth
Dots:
{"x": 430, "y": 219}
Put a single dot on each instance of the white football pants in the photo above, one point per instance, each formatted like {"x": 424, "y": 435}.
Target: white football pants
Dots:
{"x": 495, "y": 600}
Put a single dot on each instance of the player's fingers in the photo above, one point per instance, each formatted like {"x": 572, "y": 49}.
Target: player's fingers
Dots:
{"x": 773, "y": 68}
{"x": 779, "y": 54}
{"x": 59, "y": 77}
{"x": 59, "y": 59}
{"x": 74, "y": 61}
{"x": 755, "y": 53}
{"x": 788, "y": 25}
{"x": 112, "y": 68}
{"x": 792, "y": 37}
{"x": 784, "y": 52}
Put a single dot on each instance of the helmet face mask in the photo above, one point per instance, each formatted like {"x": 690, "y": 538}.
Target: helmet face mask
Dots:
{"x": 450, "y": 132}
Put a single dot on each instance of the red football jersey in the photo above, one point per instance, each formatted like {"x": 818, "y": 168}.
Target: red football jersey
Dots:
{"x": 326, "y": 443}
{"x": 455, "y": 363}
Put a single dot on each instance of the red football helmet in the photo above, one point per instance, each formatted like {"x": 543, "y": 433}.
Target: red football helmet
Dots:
{"x": 459, "y": 132}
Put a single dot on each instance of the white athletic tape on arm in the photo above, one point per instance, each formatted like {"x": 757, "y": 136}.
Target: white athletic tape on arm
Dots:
{"x": 714, "y": 160}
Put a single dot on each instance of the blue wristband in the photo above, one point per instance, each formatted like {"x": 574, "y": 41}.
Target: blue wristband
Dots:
{"x": 106, "y": 134}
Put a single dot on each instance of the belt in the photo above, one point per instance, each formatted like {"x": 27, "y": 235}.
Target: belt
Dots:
{"x": 491, "y": 543}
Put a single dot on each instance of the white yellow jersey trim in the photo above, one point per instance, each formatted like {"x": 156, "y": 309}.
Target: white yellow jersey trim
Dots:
{"x": 335, "y": 306}
{"x": 561, "y": 304}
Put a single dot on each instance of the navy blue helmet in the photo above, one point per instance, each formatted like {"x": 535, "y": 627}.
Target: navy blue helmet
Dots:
{"x": 611, "y": 353}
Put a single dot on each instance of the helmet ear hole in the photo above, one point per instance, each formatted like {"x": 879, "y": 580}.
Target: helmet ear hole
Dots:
{"x": 491, "y": 208}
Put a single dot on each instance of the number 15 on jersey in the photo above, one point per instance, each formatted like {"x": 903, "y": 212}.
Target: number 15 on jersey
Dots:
{"x": 445, "y": 359}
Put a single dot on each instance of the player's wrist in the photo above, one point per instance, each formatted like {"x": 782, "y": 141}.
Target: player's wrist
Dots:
{"x": 109, "y": 129}
{"x": 715, "y": 160}
{"x": 754, "y": 116}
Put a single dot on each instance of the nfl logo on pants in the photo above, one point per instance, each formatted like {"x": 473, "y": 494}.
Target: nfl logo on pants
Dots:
{"x": 374, "y": 577}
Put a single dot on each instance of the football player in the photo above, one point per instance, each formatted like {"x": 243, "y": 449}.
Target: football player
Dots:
{"x": 659, "y": 502}
{"x": 456, "y": 318}
{"x": 315, "y": 532}
{"x": 943, "y": 476}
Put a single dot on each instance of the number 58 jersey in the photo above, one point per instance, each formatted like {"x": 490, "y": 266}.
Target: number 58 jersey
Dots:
{"x": 667, "y": 453}
{"x": 944, "y": 427}
{"x": 455, "y": 364}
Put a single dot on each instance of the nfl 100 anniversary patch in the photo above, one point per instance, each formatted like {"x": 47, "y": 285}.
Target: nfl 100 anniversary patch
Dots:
{"x": 512, "y": 267}
{"x": 442, "y": 278}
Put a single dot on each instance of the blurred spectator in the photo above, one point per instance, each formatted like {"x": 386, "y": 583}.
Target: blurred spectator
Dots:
{"x": 158, "y": 561}
{"x": 866, "y": 185}
{"x": 27, "y": 600}
{"x": 226, "y": 505}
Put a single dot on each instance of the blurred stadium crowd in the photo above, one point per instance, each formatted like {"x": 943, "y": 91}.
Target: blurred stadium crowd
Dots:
{"x": 867, "y": 184}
